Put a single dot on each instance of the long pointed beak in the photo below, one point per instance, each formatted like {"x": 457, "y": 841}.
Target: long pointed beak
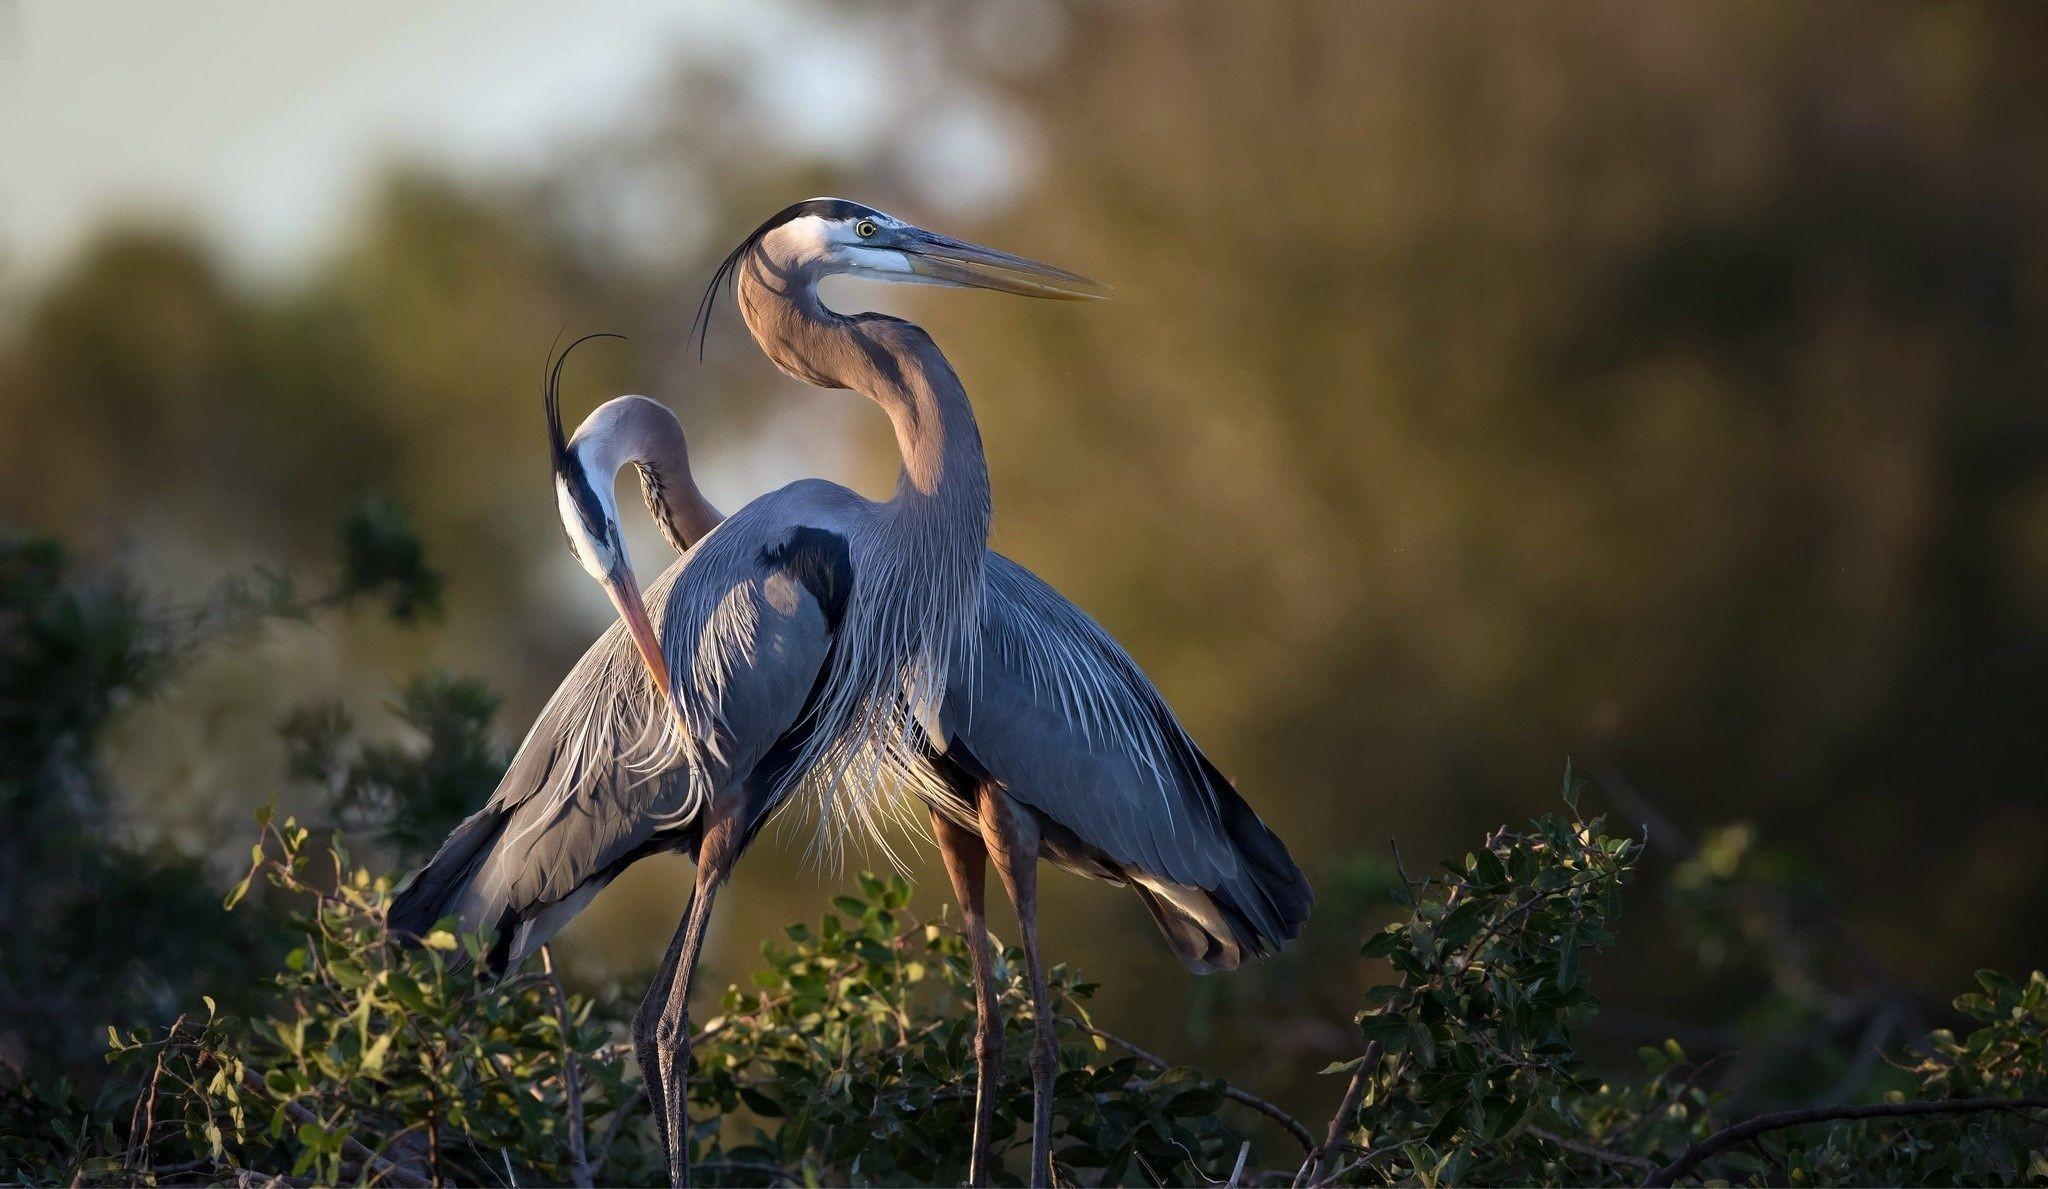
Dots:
{"x": 946, "y": 261}
{"x": 624, "y": 590}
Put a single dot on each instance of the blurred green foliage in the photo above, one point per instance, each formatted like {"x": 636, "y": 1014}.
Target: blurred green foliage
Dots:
{"x": 404, "y": 795}
{"x": 98, "y": 924}
{"x": 101, "y": 922}
{"x": 382, "y": 555}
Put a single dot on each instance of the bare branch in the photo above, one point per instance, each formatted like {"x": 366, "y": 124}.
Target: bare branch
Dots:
{"x": 572, "y": 1074}
{"x": 1727, "y": 1137}
{"x": 1341, "y": 1121}
{"x": 1400, "y": 869}
{"x": 1244, "y": 1151}
{"x": 142, "y": 1124}
{"x": 1293, "y": 1125}
{"x": 372, "y": 1163}
{"x": 1605, "y": 1155}
{"x": 612, "y": 1130}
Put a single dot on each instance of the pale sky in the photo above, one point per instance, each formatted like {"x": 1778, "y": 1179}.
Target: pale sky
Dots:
{"x": 263, "y": 123}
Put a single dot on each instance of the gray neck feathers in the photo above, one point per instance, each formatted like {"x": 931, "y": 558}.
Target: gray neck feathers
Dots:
{"x": 636, "y": 430}
{"x": 891, "y": 362}
{"x": 915, "y": 622}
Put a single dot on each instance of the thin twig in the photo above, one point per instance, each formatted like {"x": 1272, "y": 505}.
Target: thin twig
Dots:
{"x": 1368, "y": 1155}
{"x": 435, "y": 1177}
{"x": 1400, "y": 870}
{"x": 1665, "y": 834}
{"x": 572, "y": 1075}
{"x": 1244, "y": 1152}
{"x": 356, "y": 1149}
{"x": 773, "y": 1170}
{"x": 1605, "y": 1155}
{"x": 1707, "y": 1148}
{"x": 612, "y": 1130}
{"x": 1293, "y": 1125}
{"x": 1341, "y": 1121}
{"x": 142, "y": 1125}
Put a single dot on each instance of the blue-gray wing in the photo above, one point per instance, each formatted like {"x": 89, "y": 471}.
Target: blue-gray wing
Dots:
{"x": 1064, "y": 721}
{"x": 746, "y": 634}
{"x": 605, "y": 777}
{"x": 573, "y": 809}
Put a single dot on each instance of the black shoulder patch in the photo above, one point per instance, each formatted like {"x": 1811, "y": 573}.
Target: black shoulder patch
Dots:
{"x": 820, "y": 560}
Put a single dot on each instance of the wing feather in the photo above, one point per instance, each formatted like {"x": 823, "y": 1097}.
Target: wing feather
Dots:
{"x": 1067, "y": 723}
{"x": 605, "y": 777}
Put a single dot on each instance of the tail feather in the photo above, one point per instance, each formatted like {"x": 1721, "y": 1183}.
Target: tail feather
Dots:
{"x": 1250, "y": 915}
{"x": 569, "y": 813}
{"x": 443, "y": 887}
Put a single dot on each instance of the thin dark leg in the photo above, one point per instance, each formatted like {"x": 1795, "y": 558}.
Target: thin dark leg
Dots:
{"x": 672, "y": 1033}
{"x": 967, "y": 866}
{"x": 720, "y": 847}
{"x": 648, "y": 1018}
{"x": 1012, "y": 837}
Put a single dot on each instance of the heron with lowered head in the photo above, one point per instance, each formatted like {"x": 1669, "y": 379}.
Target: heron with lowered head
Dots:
{"x": 818, "y": 642}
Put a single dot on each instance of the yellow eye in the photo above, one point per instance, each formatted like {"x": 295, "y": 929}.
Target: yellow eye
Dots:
{"x": 865, "y": 229}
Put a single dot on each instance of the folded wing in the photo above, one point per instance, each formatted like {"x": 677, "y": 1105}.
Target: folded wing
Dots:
{"x": 1064, "y": 721}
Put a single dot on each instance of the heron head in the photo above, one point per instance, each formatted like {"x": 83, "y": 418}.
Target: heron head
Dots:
{"x": 823, "y": 237}
{"x": 586, "y": 468}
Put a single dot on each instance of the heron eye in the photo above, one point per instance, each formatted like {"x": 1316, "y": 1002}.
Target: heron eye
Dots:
{"x": 865, "y": 229}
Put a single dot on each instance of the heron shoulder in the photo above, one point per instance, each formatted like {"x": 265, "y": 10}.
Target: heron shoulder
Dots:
{"x": 797, "y": 537}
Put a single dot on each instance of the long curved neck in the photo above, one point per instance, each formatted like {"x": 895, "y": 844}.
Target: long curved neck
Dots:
{"x": 680, "y": 511}
{"x": 633, "y": 429}
{"x": 896, "y": 365}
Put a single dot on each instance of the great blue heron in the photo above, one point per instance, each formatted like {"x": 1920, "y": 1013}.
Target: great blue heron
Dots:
{"x": 820, "y": 634}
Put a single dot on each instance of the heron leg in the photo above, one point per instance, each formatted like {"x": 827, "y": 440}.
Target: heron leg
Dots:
{"x": 967, "y": 865}
{"x": 723, "y": 838}
{"x": 647, "y": 1020}
{"x": 1011, "y": 835}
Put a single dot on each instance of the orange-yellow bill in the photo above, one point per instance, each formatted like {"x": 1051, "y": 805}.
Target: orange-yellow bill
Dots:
{"x": 624, "y": 590}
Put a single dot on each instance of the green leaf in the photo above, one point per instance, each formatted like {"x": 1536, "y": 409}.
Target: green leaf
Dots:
{"x": 373, "y": 1057}
{"x": 1390, "y": 1031}
{"x": 1424, "y": 1044}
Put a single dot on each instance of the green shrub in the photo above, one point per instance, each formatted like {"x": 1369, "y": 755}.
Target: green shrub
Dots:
{"x": 848, "y": 1060}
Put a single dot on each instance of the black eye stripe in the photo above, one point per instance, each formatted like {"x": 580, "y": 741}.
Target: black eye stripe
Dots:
{"x": 585, "y": 498}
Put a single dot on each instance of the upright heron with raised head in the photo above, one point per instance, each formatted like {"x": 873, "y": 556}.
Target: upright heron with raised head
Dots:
{"x": 824, "y": 638}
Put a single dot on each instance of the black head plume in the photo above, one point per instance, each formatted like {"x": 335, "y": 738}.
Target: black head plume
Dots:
{"x": 551, "y": 400}
{"x": 558, "y": 444}
{"x": 824, "y": 208}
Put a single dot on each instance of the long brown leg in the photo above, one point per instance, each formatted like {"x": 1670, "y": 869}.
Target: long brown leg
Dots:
{"x": 967, "y": 865}
{"x": 720, "y": 848}
{"x": 1012, "y": 837}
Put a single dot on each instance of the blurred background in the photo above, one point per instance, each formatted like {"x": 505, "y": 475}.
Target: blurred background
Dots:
{"x": 1659, "y": 388}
